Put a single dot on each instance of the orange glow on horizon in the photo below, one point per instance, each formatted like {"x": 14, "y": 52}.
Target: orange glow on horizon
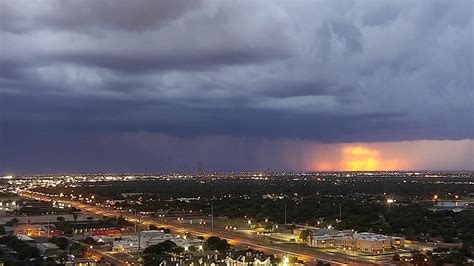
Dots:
{"x": 324, "y": 166}
{"x": 359, "y": 158}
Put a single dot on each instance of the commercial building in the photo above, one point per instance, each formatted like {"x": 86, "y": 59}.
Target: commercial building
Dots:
{"x": 48, "y": 249}
{"x": 35, "y": 207}
{"x": 95, "y": 228}
{"x": 134, "y": 243}
{"x": 349, "y": 239}
{"x": 453, "y": 205}
{"x": 86, "y": 262}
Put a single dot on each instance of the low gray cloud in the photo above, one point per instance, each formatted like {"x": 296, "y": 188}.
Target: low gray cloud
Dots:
{"x": 327, "y": 71}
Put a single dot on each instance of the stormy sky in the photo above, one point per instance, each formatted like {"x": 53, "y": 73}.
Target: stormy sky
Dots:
{"x": 97, "y": 85}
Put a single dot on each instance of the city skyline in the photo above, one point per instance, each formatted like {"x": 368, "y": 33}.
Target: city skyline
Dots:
{"x": 236, "y": 85}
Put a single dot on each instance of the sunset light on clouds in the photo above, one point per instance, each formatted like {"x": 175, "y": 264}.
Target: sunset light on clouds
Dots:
{"x": 404, "y": 155}
{"x": 360, "y": 158}
{"x": 236, "y": 85}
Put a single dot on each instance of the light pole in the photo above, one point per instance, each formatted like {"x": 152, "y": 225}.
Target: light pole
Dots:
{"x": 212, "y": 216}
{"x": 340, "y": 212}
{"x": 139, "y": 233}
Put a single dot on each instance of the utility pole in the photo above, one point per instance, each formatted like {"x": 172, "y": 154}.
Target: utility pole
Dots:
{"x": 212, "y": 216}
{"x": 139, "y": 234}
{"x": 285, "y": 213}
{"x": 340, "y": 212}
{"x": 135, "y": 221}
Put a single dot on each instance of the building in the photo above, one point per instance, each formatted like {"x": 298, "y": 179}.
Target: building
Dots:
{"x": 35, "y": 207}
{"x": 238, "y": 258}
{"x": 135, "y": 243}
{"x": 95, "y": 228}
{"x": 248, "y": 260}
{"x": 36, "y": 229}
{"x": 348, "y": 239}
{"x": 86, "y": 262}
{"x": 453, "y": 205}
{"x": 9, "y": 203}
{"x": 48, "y": 249}
{"x": 192, "y": 260}
{"x": 323, "y": 238}
{"x": 371, "y": 242}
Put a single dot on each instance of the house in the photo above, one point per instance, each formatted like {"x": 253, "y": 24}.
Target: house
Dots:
{"x": 247, "y": 259}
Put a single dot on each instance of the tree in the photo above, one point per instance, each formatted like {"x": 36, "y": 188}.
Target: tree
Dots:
{"x": 61, "y": 242}
{"x": 418, "y": 258}
{"x": 163, "y": 248}
{"x": 28, "y": 252}
{"x": 49, "y": 262}
{"x": 62, "y": 258}
{"x": 12, "y": 222}
{"x": 24, "y": 250}
{"x": 90, "y": 218}
{"x": 74, "y": 215}
{"x": 304, "y": 235}
{"x": 77, "y": 249}
{"x": 60, "y": 219}
{"x": 152, "y": 227}
{"x": 89, "y": 241}
{"x": 396, "y": 257}
{"x": 165, "y": 230}
{"x": 216, "y": 243}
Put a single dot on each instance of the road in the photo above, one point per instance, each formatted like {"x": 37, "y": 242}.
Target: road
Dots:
{"x": 236, "y": 239}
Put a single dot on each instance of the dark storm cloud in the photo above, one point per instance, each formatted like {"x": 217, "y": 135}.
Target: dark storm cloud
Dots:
{"x": 320, "y": 70}
{"x": 70, "y": 15}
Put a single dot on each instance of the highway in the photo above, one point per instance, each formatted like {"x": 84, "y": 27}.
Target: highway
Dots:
{"x": 309, "y": 256}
